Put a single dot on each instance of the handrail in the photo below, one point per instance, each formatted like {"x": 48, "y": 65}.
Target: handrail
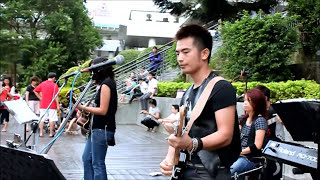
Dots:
{"x": 141, "y": 60}
{"x": 122, "y": 72}
{"x": 147, "y": 54}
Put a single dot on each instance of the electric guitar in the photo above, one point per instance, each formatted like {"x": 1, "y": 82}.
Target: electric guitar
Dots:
{"x": 180, "y": 157}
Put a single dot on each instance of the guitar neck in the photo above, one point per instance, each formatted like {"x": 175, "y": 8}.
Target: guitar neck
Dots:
{"x": 178, "y": 133}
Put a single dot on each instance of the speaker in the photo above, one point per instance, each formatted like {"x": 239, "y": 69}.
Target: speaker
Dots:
{"x": 25, "y": 164}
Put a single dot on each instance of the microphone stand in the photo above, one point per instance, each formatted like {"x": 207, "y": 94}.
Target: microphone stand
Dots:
{"x": 244, "y": 76}
{"x": 70, "y": 114}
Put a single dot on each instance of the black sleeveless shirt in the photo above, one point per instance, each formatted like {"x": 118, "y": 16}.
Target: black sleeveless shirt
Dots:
{"x": 101, "y": 121}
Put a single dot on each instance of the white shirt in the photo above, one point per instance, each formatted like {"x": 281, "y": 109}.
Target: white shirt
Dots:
{"x": 153, "y": 111}
{"x": 153, "y": 83}
{"x": 144, "y": 87}
{"x": 175, "y": 117}
{"x": 12, "y": 91}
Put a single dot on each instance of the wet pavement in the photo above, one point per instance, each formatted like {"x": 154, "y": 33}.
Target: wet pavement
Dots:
{"x": 136, "y": 154}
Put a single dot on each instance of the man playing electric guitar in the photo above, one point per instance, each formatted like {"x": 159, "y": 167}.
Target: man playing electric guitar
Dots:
{"x": 213, "y": 141}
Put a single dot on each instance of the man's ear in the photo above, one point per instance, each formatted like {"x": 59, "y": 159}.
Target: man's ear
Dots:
{"x": 205, "y": 54}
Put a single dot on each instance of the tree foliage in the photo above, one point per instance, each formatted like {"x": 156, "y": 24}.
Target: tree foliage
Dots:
{"x": 309, "y": 17}
{"x": 213, "y": 10}
{"x": 260, "y": 44}
{"x": 47, "y": 35}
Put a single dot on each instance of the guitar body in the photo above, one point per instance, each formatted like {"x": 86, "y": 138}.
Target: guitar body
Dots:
{"x": 180, "y": 156}
{"x": 177, "y": 173}
{"x": 84, "y": 123}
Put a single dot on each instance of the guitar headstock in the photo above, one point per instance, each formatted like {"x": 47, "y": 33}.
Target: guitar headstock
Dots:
{"x": 68, "y": 96}
{"x": 180, "y": 125}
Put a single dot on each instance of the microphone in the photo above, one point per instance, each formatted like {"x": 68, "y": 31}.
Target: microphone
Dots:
{"x": 245, "y": 72}
{"x": 118, "y": 60}
{"x": 69, "y": 75}
{"x": 242, "y": 74}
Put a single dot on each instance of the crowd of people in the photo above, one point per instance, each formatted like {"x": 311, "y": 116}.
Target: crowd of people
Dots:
{"x": 37, "y": 96}
{"x": 214, "y": 135}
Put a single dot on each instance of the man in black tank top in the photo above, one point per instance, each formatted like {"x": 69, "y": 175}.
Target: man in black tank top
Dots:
{"x": 214, "y": 136}
{"x": 103, "y": 125}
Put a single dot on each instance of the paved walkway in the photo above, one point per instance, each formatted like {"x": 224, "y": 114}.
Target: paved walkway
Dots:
{"x": 136, "y": 154}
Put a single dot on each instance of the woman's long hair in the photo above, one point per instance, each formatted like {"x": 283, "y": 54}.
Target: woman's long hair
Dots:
{"x": 258, "y": 102}
{"x": 10, "y": 82}
{"x": 101, "y": 73}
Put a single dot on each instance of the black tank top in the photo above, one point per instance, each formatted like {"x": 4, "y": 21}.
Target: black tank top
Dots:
{"x": 107, "y": 120}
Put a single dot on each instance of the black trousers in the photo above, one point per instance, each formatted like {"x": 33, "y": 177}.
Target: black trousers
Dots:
{"x": 149, "y": 123}
{"x": 4, "y": 115}
{"x": 135, "y": 96}
{"x": 194, "y": 173}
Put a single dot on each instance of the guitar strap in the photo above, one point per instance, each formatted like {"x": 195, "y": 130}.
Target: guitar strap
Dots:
{"x": 196, "y": 111}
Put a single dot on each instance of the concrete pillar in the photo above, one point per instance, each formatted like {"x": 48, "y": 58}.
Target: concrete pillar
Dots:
{"x": 152, "y": 42}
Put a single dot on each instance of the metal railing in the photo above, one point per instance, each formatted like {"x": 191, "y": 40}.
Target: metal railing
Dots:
{"x": 123, "y": 72}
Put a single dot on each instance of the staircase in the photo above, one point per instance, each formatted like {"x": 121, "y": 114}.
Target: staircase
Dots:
{"x": 164, "y": 72}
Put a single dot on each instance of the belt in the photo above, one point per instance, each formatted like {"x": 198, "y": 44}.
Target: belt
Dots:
{"x": 200, "y": 166}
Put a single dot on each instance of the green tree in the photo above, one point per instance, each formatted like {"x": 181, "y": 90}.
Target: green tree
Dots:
{"x": 261, "y": 44}
{"x": 309, "y": 17}
{"x": 52, "y": 35}
{"x": 214, "y": 10}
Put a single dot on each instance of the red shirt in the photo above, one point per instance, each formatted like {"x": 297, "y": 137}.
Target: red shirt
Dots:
{"x": 48, "y": 89}
{"x": 4, "y": 96}
{"x": 16, "y": 97}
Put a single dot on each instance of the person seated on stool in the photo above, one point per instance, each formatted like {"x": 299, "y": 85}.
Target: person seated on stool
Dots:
{"x": 253, "y": 131}
{"x": 171, "y": 122}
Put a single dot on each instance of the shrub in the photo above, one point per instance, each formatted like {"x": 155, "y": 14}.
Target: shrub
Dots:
{"x": 169, "y": 89}
{"x": 171, "y": 56}
{"x": 285, "y": 90}
{"x": 83, "y": 78}
{"x": 130, "y": 54}
{"x": 62, "y": 95}
{"x": 279, "y": 90}
{"x": 146, "y": 51}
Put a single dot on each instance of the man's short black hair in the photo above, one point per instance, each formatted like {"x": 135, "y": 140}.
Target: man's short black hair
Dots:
{"x": 176, "y": 106}
{"x": 202, "y": 37}
{"x": 51, "y": 75}
{"x": 153, "y": 101}
{"x": 152, "y": 73}
{"x": 155, "y": 47}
